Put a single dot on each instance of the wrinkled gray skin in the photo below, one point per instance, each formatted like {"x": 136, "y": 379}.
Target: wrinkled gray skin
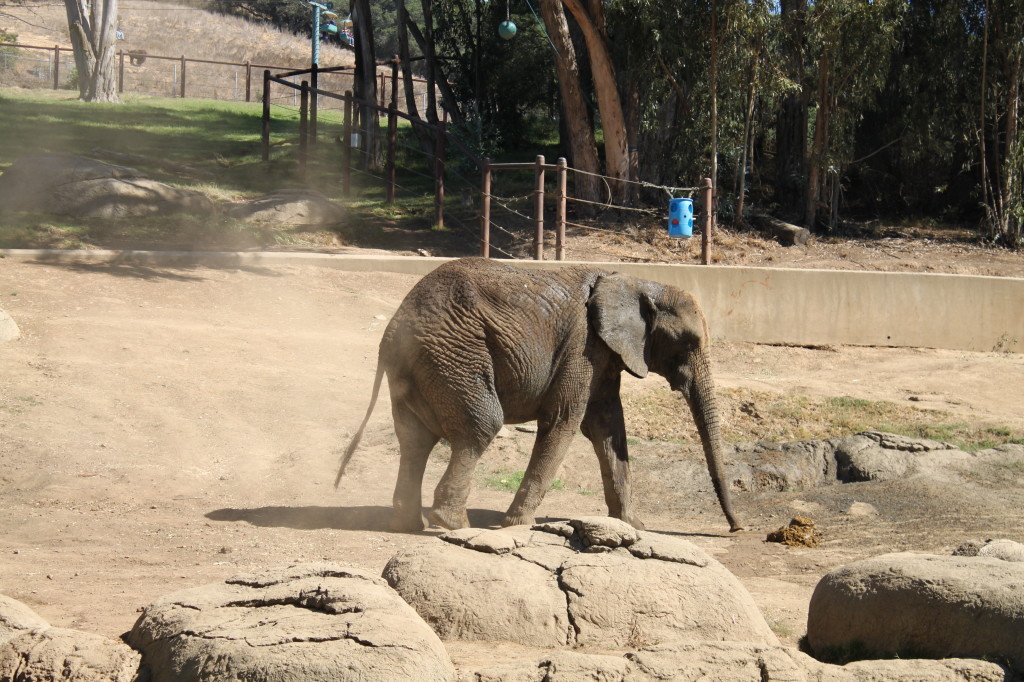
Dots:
{"x": 477, "y": 344}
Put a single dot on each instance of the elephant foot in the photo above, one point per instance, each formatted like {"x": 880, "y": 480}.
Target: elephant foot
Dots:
{"x": 449, "y": 518}
{"x": 634, "y": 521}
{"x": 517, "y": 520}
{"x": 407, "y": 524}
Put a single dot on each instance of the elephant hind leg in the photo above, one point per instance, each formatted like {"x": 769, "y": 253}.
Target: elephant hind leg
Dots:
{"x": 415, "y": 441}
{"x": 452, "y": 492}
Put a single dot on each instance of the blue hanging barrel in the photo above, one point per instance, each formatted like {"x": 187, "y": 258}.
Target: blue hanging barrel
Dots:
{"x": 680, "y": 217}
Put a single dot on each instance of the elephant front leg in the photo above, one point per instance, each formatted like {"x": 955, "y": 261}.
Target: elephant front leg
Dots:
{"x": 548, "y": 452}
{"x": 605, "y": 427}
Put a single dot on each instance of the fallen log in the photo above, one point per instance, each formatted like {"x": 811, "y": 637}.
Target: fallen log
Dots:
{"x": 786, "y": 233}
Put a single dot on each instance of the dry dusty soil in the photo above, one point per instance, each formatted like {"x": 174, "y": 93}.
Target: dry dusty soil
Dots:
{"x": 165, "y": 427}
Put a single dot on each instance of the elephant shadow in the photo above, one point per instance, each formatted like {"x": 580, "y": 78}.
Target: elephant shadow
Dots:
{"x": 369, "y": 518}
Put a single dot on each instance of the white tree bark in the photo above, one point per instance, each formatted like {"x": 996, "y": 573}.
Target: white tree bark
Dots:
{"x": 93, "y": 27}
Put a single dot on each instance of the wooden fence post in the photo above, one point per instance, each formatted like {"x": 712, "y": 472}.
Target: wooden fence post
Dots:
{"x": 314, "y": 103}
{"x": 120, "y": 72}
{"x": 395, "y": 61}
{"x": 346, "y": 154}
{"x": 705, "y": 240}
{"x": 303, "y": 128}
{"x": 560, "y": 209}
{"x": 266, "y": 115}
{"x": 248, "y": 81}
{"x": 392, "y": 143}
{"x": 485, "y": 210}
{"x": 183, "y": 76}
{"x": 538, "y": 237}
{"x": 439, "y": 173}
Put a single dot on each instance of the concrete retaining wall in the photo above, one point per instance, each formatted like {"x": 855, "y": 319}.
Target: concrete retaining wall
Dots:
{"x": 764, "y": 305}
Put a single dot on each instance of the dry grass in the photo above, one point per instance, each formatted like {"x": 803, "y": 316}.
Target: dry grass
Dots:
{"x": 753, "y": 416}
{"x": 172, "y": 30}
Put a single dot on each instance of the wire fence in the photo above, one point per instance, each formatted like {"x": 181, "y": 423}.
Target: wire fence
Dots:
{"x": 140, "y": 73}
{"x": 514, "y": 219}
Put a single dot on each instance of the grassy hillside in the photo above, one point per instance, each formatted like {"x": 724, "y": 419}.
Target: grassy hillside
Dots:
{"x": 162, "y": 28}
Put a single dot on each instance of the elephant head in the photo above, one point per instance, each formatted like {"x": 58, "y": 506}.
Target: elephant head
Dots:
{"x": 653, "y": 327}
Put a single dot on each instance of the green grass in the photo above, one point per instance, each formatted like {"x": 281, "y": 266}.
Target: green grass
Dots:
{"x": 221, "y": 142}
{"x": 505, "y": 479}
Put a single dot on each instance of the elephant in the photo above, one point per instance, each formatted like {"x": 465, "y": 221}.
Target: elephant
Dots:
{"x": 477, "y": 344}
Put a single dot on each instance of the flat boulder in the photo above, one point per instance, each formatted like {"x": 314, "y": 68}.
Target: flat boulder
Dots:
{"x": 65, "y": 184}
{"x": 308, "y": 622}
{"x": 593, "y": 581}
{"x": 290, "y": 207}
{"x": 57, "y": 654}
{"x": 732, "y": 662}
{"x": 920, "y": 605}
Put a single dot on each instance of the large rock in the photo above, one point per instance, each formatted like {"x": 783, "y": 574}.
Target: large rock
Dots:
{"x": 32, "y": 651}
{"x": 77, "y": 186}
{"x": 56, "y": 654}
{"x": 732, "y": 662}
{"x": 922, "y": 605}
{"x": 8, "y": 328}
{"x": 17, "y": 619}
{"x": 305, "y": 623}
{"x": 298, "y": 207}
{"x": 593, "y": 581}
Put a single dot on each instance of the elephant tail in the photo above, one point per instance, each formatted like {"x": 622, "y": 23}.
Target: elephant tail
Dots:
{"x": 359, "y": 434}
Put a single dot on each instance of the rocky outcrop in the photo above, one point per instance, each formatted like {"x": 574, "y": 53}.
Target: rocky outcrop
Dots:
{"x": 64, "y": 184}
{"x": 294, "y": 207}
{"x": 732, "y": 662}
{"x": 920, "y": 605}
{"x": 308, "y": 622}
{"x": 593, "y": 581}
{"x": 865, "y": 456}
{"x": 32, "y": 651}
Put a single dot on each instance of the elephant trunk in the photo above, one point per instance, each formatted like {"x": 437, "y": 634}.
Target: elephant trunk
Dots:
{"x": 700, "y": 395}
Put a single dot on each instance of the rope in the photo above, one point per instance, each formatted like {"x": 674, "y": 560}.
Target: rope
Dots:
{"x": 641, "y": 183}
{"x": 649, "y": 211}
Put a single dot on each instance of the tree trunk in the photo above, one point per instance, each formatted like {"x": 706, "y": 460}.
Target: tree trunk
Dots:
{"x": 404, "y": 57}
{"x": 582, "y": 145}
{"x": 791, "y": 122}
{"x": 816, "y": 154}
{"x": 430, "y": 59}
{"x": 364, "y": 86}
{"x": 714, "y": 119}
{"x": 448, "y": 99}
{"x": 103, "y": 83}
{"x": 613, "y": 121}
{"x": 92, "y": 40}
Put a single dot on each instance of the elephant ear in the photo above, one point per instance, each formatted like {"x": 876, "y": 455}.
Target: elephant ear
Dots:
{"x": 620, "y": 313}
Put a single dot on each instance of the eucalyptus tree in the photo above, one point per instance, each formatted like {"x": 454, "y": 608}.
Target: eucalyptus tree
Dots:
{"x": 93, "y": 27}
{"x": 850, "y": 44}
{"x": 1000, "y": 146}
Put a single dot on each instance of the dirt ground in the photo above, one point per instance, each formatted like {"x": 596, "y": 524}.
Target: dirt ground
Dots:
{"x": 165, "y": 427}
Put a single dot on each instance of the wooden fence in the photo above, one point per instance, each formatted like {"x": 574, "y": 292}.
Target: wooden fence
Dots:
{"x": 309, "y": 95}
{"x": 182, "y": 71}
